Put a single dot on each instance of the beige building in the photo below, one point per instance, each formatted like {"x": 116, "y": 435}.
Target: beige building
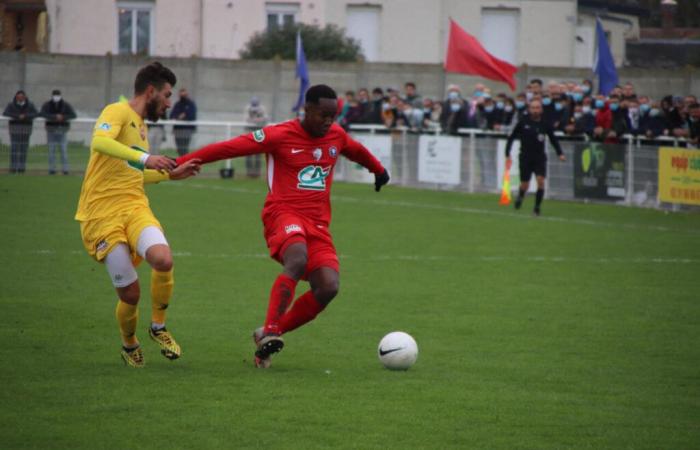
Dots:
{"x": 554, "y": 33}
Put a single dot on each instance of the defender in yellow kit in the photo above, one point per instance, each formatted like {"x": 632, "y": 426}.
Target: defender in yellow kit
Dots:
{"x": 116, "y": 223}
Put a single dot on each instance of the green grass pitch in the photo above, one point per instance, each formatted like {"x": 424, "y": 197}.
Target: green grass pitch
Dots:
{"x": 580, "y": 329}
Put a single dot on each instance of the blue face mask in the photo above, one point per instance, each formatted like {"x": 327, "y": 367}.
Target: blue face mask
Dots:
{"x": 614, "y": 106}
{"x": 508, "y": 109}
{"x": 577, "y": 96}
{"x": 586, "y": 109}
{"x": 488, "y": 109}
{"x": 644, "y": 107}
{"x": 546, "y": 101}
{"x": 519, "y": 104}
{"x": 654, "y": 112}
{"x": 599, "y": 104}
{"x": 454, "y": 107}
{"x": 500, "y": 105}
{"x": 558, "y": 106}
{"x": 478, "y": 94}
{"x": 586, "y": 89}
{"x": 452, "y": 95}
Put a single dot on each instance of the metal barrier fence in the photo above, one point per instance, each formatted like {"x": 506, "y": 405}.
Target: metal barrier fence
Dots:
{"x": 34, "y": 149}
{"x": 476, "y": 164}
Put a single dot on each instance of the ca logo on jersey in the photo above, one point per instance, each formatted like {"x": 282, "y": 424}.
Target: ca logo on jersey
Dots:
{"x": 313, "y": 178}
{"x": 137, "y": 165}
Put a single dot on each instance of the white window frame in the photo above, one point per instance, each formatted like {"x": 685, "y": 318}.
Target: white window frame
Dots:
{"x": 136, "y": 6}
{"x": 281, "y": 10}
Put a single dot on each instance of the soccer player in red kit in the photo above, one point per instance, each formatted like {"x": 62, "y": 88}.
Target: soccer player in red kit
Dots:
{"x": 301, "y": 156}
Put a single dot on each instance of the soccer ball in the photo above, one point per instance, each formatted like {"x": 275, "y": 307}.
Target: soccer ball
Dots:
{"x": 397, "y": 351}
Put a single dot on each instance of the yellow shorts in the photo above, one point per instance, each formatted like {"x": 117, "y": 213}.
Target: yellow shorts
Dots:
{"x": 101, "y": 235}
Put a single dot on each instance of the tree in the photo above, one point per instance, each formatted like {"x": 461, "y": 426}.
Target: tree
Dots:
{"x": 320, "y": 44}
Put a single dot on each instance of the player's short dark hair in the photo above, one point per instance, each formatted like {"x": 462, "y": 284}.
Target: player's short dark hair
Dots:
{"x": 155, "y": 74}
{"x": 319, "y": 91}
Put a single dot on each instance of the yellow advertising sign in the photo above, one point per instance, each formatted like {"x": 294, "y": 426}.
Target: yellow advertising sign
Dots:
{"x": 679, "y": 175}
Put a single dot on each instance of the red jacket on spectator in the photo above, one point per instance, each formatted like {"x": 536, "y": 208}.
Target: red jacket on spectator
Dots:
{"x": 603, "y": 117}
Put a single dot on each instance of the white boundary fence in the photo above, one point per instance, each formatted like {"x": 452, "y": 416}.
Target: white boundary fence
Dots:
{"x": 472, "y": 161}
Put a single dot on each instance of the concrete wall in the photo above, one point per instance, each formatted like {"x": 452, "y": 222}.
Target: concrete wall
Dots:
{"x": 222, "y": 88}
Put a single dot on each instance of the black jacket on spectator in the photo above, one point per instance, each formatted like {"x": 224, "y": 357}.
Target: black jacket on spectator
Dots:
{"x": 656, "y": 125}
{"x": 674, "y": 119}
{"x": 51, "y": 109}
{"x": 619, "y": 122}
{"x": 493, "y": 118}
{"x": 373, "y": 112}
{"x": 451, "y": 121}
{"x": 585, "y": 124}
{"x": 24, "y": 125}
{"x": 555, "y": 119}
{"x": 187, "y": 106}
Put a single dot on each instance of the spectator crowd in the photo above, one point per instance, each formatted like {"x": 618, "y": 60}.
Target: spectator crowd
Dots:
{"x": 569, "y": 107}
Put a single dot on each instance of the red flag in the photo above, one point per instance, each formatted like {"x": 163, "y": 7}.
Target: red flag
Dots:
{"x": 466, "y": 55}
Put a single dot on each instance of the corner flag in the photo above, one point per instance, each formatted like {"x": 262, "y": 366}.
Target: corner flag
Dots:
{"x": 505, "y": 190}
{"x": 604, "y": 65}
{"x": 302, "y": 73}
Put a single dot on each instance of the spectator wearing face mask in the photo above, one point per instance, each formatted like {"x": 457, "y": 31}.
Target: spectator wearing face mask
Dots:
{"x": 587, "y": 88}
{"x": 633, "y": 116}
{"x": 581, "y": 122}
{"x": 654, "y": 123}
{"x": 619, "y": 119}
{"x": 492, "y": 114}
{"x": 674, "y": 121}
{"x": 22, "y": 114}
{"x": 520, "y": 106}
{"x": 57, "y": 112}
{"x": 454, "y": 111}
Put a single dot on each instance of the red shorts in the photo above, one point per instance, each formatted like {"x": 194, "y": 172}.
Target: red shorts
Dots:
{"x": 286, "y": 229}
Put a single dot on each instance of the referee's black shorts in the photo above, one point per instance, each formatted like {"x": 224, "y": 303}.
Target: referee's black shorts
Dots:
{"x": 528, "y": 166}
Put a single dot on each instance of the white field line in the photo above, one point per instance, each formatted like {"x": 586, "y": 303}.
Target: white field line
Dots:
{"x": 426, "y": 258}
{"x": 460, "y": 209}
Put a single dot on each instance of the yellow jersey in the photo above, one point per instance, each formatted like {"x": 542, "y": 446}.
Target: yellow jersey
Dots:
{"x": 114, "y": 186}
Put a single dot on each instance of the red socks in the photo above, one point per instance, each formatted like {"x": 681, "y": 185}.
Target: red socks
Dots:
{"x": 304, "y": 310}
{"x": 281, "y": 297}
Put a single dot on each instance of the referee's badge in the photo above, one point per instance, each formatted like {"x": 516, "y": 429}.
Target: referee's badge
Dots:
{"x": 540, "y": 137}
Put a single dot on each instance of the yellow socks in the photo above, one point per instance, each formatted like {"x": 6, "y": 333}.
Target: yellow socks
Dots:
{"x": 161, "y": 291}
{"x": 127, "y": 317}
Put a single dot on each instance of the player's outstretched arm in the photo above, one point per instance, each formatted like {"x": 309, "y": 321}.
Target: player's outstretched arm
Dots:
{"x": 186, "y": 170}
{"x": 111, "y": 147}
{"x": 357, "y": 152}
{"x": 243, "y": 145}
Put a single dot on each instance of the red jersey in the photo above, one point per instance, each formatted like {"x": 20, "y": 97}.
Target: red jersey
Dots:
{"x": 299, "y": 166}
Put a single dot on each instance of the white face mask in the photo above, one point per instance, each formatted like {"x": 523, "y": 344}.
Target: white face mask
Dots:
{"x": 56, "y": 98}
{"x": 529, "y": 95}
{"x": 22, "y": 103}
{"x": 454, "y": 107}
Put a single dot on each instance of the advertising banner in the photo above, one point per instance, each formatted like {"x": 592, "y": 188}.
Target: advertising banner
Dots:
{"x": 380, "y": 147}
{"x": 679, "y": 175}
{"x": 599, "y": 171}
{"x": 439, "y": 159}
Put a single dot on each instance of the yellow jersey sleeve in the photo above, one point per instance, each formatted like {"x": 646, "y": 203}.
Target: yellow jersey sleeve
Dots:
{"x": 110, "y": 123}
{"x": 154, "y": 176}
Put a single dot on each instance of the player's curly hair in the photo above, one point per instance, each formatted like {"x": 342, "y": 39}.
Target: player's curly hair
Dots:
{"x": 319, "y": 91}
{"x": 154, "y": 74}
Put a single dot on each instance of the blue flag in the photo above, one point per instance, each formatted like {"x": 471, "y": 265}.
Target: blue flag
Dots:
{"x": 302, "y": 73}
{"x": 604, "y": 65}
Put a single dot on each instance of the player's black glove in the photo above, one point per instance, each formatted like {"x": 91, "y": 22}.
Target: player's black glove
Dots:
{"x": 380, "y": 180}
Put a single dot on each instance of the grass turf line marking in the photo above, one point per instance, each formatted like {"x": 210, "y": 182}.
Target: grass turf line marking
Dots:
{"x": 461, "y": 209}
{"x": 428, "y": 258}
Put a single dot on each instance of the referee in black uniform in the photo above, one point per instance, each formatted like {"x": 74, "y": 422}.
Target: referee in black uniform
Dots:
{"x": 531, "y": 130}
